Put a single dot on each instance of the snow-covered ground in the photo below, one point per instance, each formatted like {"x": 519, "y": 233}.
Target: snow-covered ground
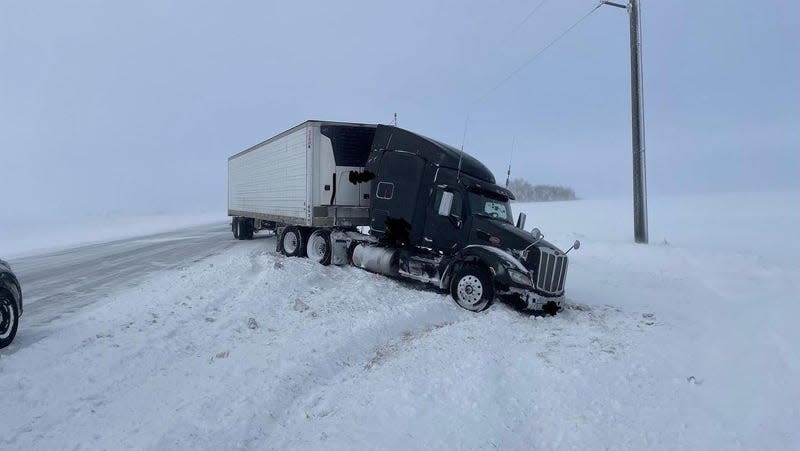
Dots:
{"x": 685, "y": 345}
{"x": 36, "y": 236}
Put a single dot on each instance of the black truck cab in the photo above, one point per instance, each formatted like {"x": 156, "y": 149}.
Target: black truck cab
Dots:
{"x": 440, "y": 217}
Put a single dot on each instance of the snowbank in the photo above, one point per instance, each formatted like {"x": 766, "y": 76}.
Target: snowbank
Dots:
{"x": 33, "y": 237}
{"x": 762, "y": 225}
{"x": 691, "y": 345}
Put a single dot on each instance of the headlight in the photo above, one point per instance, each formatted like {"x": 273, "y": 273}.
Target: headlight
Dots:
{"x": 519, "y": 277}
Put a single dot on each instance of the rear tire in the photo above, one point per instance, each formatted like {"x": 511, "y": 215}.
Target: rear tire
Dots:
{"x": 246, "y": 232}
{"x": 291, "y": 242}
{"x": 9, "y": 319}
{"x": 318, "y": 247}
{"x": 235, "y": 228}
{"x": 472, "y": 288}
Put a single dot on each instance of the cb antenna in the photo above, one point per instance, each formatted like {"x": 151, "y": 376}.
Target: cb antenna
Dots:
{"x": 461, "y": 154}
{"x": 510, "y": 158}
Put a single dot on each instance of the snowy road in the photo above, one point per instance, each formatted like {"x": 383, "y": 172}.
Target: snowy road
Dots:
{"x": 58, "y": 284}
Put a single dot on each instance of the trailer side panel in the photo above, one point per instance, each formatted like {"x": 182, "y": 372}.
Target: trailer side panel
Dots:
{"x": 272, "y": 179}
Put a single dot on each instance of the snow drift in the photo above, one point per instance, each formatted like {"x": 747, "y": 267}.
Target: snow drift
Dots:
{"x": 690, "y": 344}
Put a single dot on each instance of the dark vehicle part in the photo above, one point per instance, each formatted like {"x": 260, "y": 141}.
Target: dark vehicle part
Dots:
{"x": 550, "y": 308}
{"x": 248, "y": 229}
{"x": 243, "y": 228}
{"x": 9, "y": 319}
{"x": 10, "y": 304}
{"x": 235, "y": 228}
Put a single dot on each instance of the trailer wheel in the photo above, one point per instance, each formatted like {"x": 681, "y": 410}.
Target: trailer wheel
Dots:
{"x": 247, "y": 229}
{"x": 471, "y": 287}
{"x": 318, "y": 247}
{"x": 235, "y": 228}
{"x": 291, "y": 241}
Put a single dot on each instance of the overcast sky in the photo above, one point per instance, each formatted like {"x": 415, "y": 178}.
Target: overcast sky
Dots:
{"x": 135, "y": 106}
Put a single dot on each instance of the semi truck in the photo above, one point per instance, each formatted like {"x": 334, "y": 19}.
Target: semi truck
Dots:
{"x": 396, "y": 203}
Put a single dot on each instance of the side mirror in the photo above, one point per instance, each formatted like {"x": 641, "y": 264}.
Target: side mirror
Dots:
{"x": 446, "y": 204}
{"x": 521, "y": 221}
{"x": 537, "y": 234}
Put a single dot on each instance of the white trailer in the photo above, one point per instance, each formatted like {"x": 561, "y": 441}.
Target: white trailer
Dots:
{"x": 303, "y": 177}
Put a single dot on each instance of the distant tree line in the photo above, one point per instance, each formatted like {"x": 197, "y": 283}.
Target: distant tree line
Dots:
{"x": 526, "y": 192}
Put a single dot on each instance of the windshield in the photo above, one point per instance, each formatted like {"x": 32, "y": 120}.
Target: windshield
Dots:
{"x": 482, "y": 205}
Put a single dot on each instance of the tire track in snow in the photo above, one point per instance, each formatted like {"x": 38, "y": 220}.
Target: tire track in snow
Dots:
{"x": 356, "y": 352}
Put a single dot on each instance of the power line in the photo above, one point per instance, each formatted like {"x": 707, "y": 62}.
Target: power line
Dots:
{"x": 524, "y": 21}
{"x": 536, "y": 55}
{"x": 501, "y": 44}
{"x": 523, "y": 65}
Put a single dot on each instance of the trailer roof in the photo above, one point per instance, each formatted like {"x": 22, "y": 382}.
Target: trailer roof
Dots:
{"x": 297, "y": 127}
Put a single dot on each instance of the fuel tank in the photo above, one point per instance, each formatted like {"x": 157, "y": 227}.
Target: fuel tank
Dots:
{"x": 377, "y": 259}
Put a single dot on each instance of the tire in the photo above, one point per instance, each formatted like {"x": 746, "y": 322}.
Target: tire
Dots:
{"x": 235, "y": 228}
{"x": 305, "y": 234}
{"x": 291, "y": 242}
{"x": 472, "y": 288}
{"x": 318, "y": 247}
{"x": 9, "y": 319}
{"x": 246, "y": 232}
{"x": 243, "y": 228}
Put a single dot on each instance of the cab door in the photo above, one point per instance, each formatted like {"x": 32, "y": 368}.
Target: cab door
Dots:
{"x": 394, "y": 192}
{"x": 445, "y": 219}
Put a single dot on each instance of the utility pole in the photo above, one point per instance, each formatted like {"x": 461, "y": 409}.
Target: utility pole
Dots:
{"x": 637, "y": 117}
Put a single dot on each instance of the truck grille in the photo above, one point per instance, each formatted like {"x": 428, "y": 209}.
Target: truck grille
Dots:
{"x": 551, "y": 271}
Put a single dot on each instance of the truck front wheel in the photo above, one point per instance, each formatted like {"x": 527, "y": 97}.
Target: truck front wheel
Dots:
{"x": 472, "y": 288}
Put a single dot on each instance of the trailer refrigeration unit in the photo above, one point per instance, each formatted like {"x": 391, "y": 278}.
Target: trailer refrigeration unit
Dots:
{"x": 435, "y": 214}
